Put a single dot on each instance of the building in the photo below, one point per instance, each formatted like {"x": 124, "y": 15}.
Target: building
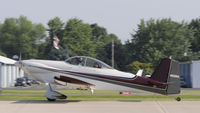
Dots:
{"x": 9, "y": 72}
{"x": 190, "y": 74}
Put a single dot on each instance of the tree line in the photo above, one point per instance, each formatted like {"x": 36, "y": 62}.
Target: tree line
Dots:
{"x": 153, "y": 40}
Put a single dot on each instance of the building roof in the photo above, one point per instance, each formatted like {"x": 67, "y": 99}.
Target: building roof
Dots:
{"x": 6, "y": 60}
{"x": 190, "y": 62}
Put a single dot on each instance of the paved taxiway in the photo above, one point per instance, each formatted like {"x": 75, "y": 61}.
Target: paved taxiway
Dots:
{"x": 99, "y": 107}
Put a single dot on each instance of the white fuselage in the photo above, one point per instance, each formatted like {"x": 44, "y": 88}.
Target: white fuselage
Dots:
{"x": 46, "y": 70}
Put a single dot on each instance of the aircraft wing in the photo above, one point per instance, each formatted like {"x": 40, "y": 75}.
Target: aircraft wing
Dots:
{"x": 73, "y": 83}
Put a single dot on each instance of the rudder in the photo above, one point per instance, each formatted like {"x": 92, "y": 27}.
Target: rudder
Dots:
{"x": 162, "y": 71}
{"x": 174, "y": 78}
{"x": 168, "y": 72}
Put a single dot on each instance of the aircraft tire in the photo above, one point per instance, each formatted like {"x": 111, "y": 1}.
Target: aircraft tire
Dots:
{"x": 178, "y": 99}
{"x": 51, "y": 99}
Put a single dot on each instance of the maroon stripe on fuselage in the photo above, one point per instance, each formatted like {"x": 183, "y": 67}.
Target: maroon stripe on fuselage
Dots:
{"x": 135, "y": 81}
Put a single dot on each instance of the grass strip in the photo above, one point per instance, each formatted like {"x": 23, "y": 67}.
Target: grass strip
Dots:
{"x": 99, "y": 95}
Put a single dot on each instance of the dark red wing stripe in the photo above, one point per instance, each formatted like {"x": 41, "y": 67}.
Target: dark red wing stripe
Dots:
{"x": 71, "y": 80}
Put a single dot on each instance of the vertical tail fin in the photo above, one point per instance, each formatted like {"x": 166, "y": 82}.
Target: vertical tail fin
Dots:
{"x": 162, "y": 71}
{"x": 168, "y": 72}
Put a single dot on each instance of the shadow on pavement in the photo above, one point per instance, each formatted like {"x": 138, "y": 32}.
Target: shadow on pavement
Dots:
{"x": 44, "y": 101}
{"x": 59, "y": 101}
{"x": 129, "y": 101}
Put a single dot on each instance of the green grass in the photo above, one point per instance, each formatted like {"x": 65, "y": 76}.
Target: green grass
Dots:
{"x": 18, "y": 92}
{"x": 132, "y": 97}
{"x": 98, "y": 95}
{"x": 190, "y": 92}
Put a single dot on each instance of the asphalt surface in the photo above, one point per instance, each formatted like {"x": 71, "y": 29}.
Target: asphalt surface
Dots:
{"x": 99, "y": 107}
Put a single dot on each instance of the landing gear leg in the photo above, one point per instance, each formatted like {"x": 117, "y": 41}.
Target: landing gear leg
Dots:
{"x": 53, "y": 95}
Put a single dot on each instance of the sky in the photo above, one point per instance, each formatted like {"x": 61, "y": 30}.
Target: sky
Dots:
{"x": 120, "y": 17}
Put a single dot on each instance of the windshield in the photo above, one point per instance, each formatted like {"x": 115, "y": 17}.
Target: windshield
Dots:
{"x": 76, "y": 61}
{"x": 88, "y": 62}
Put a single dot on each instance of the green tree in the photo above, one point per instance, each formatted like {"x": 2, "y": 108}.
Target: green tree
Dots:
{"x": 39, "y": 32}
{"x": 106, "y": 53}
{"x": 2, "y": 54}
{"x": 98, "y": 33}
{"x": 195, "y": 42}
{"x": 55, "y": 28}
{"x": 19, "y": 36}
{"x": 103, "y": 42}
{"x": 77, "y": 38}
{"x": 119, "y": 55}
{"x": 156, "y": 39}
{"x": 136, "y": 65}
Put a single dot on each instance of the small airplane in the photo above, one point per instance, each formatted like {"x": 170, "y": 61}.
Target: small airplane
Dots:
{"x": 83, "y": 72}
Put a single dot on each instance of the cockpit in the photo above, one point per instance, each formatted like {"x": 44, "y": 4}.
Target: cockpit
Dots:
{"x": 87, "y": 61}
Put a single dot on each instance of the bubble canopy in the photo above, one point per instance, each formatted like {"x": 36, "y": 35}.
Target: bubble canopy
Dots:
{"x": 88, "y": 62}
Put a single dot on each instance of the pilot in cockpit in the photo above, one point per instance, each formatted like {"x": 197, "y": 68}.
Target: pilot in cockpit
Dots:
{"x": 96, "y": 65}
{"x": 80, "y": 61}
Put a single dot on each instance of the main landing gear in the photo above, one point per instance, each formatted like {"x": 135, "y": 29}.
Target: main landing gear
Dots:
{"x": 53, "y": 95}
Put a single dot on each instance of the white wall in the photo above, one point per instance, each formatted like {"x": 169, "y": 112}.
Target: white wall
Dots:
{"x": 13, "y": 78}
{"x": 8, "y": 74}
{"x": 9, "y": 83}
{"x": 4, "y": 75}
{"x": 0, "y": 76}
{"x": 195, "y": 72}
